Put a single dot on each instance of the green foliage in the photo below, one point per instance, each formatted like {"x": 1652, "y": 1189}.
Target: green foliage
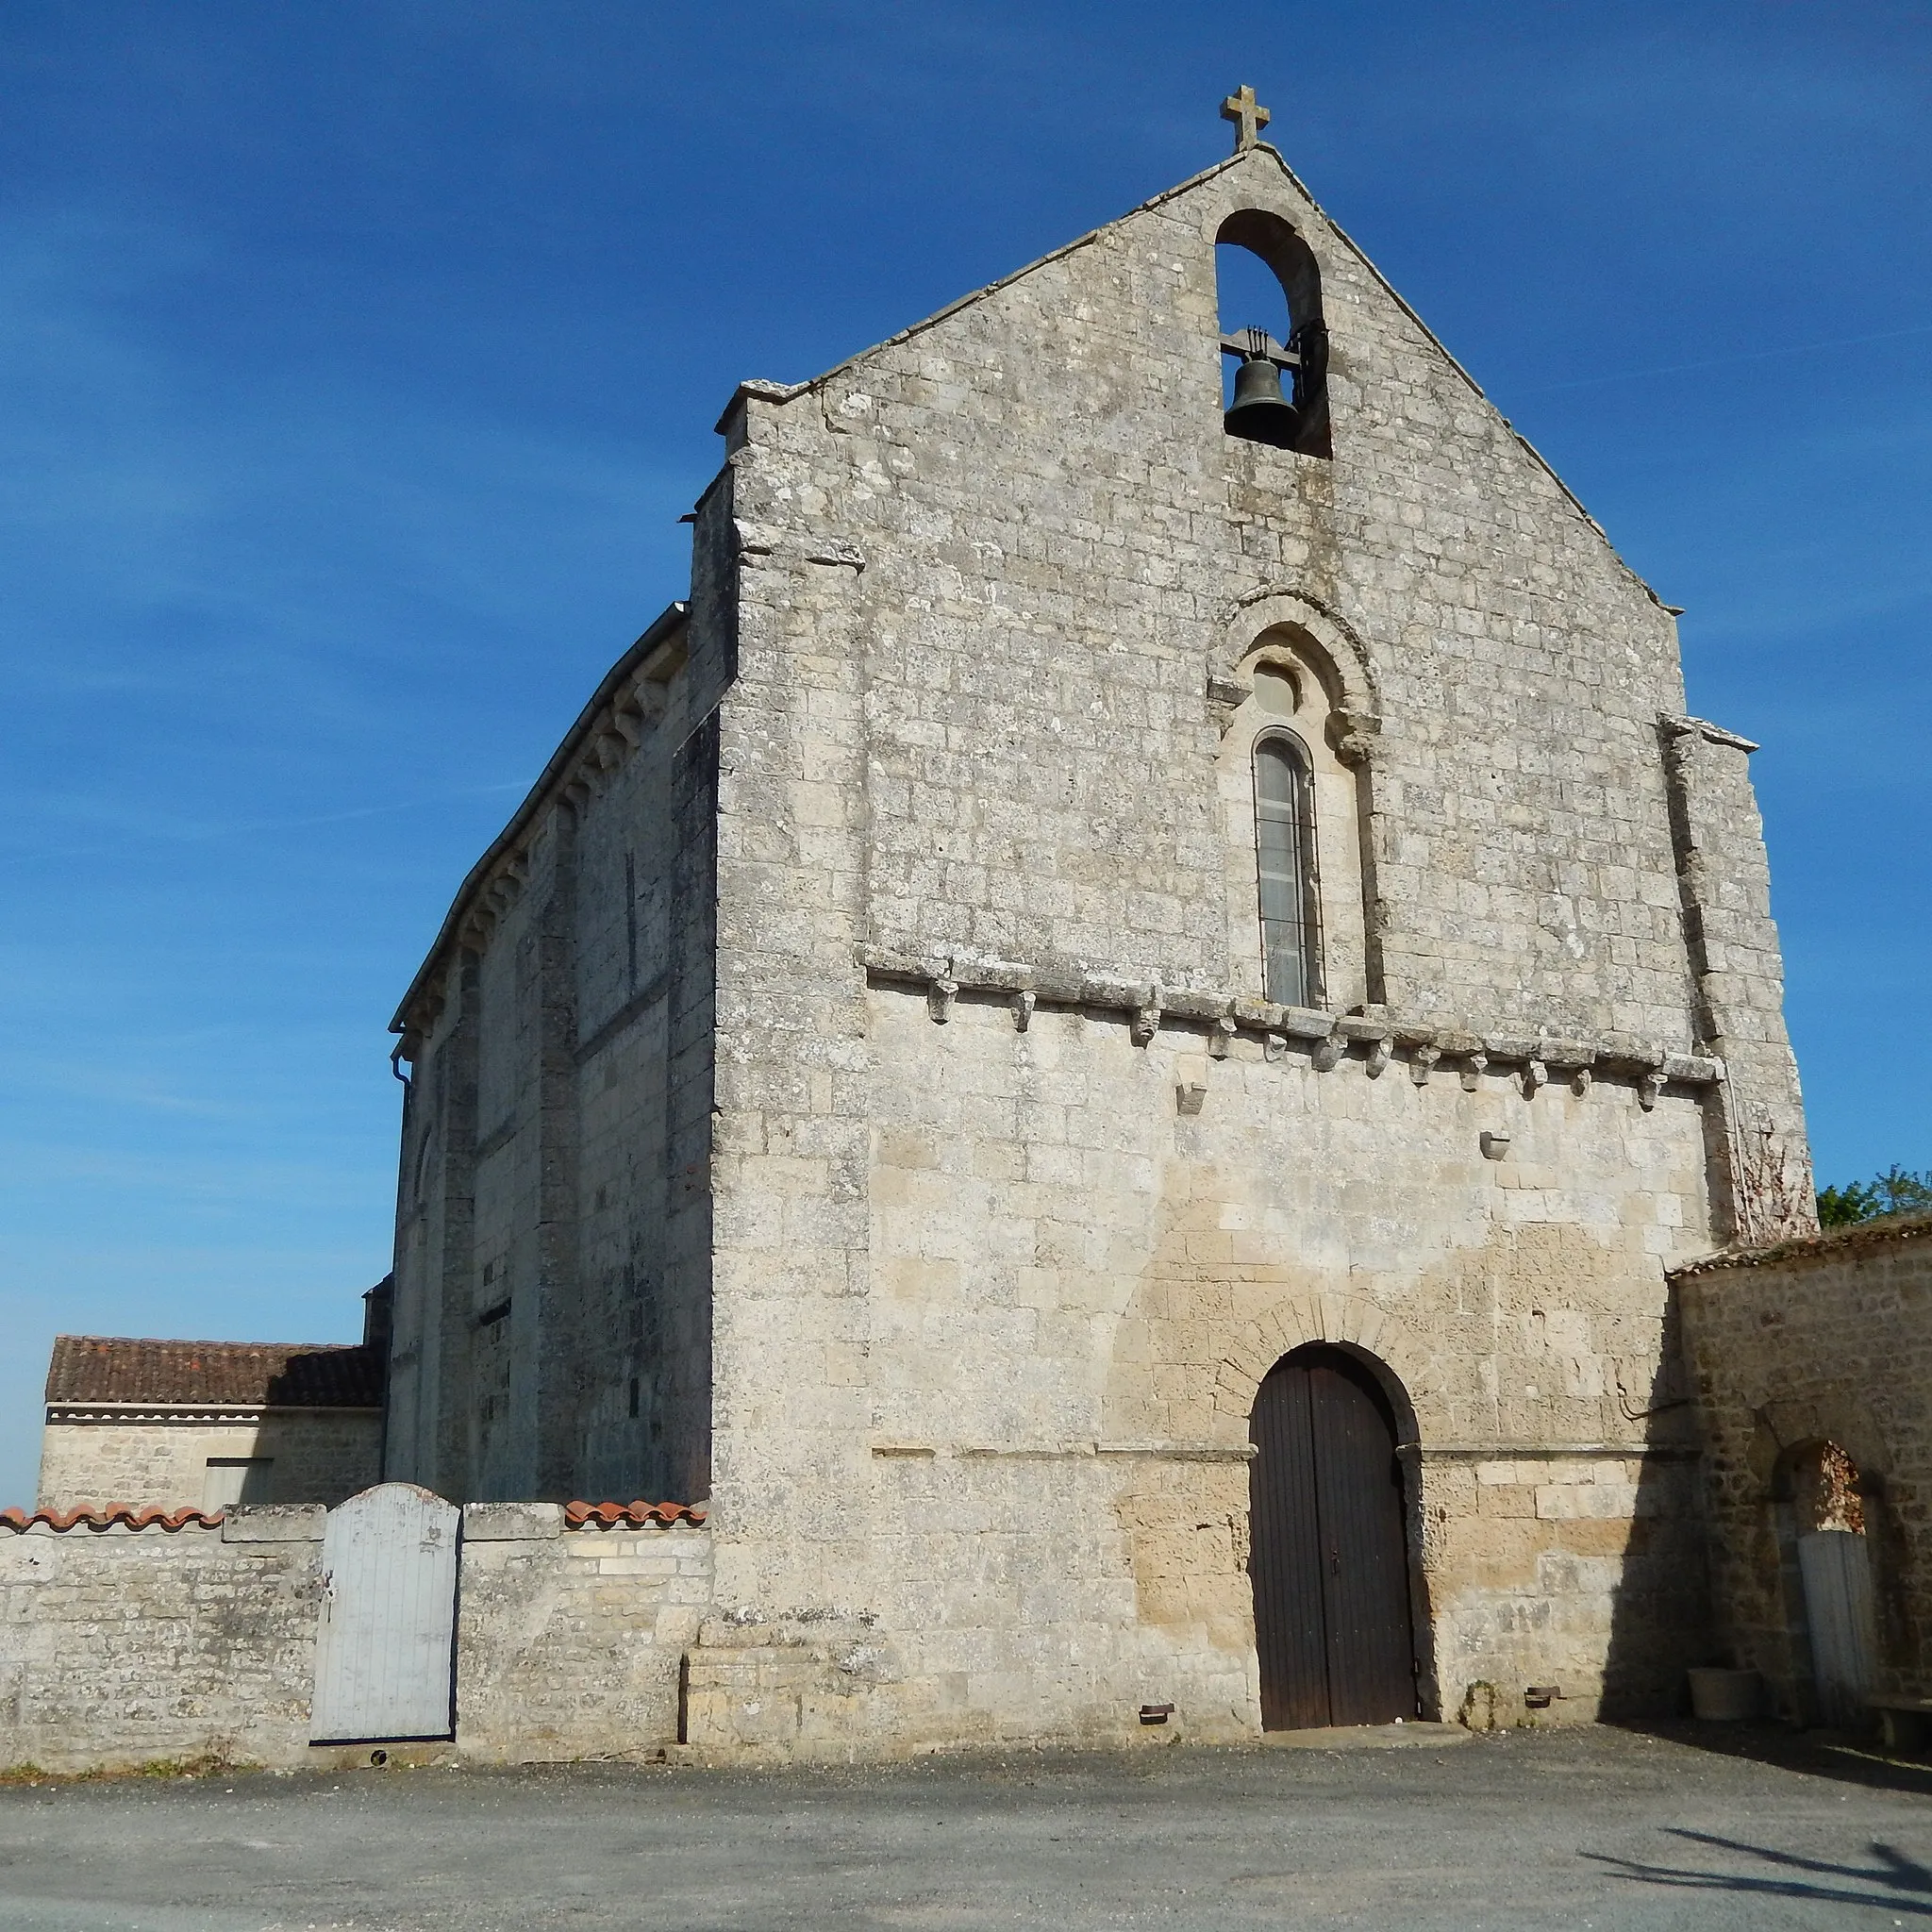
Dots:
{"x": 1897, "y": 1191}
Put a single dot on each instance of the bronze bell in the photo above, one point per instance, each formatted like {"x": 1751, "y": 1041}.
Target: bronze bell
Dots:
{"x": 1260, "y": 411}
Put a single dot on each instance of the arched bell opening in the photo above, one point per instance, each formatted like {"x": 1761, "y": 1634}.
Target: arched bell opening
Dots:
{"x": 1331, "y": 1506}
{"x": 1824, "y": 1509}
{"x": 1274, "y": 340}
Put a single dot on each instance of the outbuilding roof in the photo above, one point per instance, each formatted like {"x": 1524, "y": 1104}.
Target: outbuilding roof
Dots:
{"x": 269, "y": 1374}
{"x": 1863, "y": 1237}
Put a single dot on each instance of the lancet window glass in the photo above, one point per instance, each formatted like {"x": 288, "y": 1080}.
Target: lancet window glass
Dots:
{"x": 1285, "y": 856}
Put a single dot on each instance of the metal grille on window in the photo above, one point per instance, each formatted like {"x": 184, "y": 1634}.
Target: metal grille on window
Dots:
{"x": 1285, "y": 851}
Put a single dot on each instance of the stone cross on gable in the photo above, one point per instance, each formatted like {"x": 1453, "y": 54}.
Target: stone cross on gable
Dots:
{"x": 1248, "y": 115}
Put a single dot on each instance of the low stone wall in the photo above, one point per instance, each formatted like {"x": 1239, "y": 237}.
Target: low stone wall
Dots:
{"x": 125, "y": 1642}
{"x": 569, "y": 1641}
{"x": 1822, "y": 1340}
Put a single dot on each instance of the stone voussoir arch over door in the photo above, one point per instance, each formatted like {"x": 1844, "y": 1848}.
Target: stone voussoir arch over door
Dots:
{"x": 1328, "y": 1560}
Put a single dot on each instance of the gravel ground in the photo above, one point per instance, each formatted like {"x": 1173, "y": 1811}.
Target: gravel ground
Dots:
{"x": 1594, "y": 1829}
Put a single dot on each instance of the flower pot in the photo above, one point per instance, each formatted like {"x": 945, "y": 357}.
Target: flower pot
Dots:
{"x": 1724, "y": 1697}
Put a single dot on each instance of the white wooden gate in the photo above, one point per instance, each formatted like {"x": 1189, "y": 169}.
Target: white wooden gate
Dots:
{"x": 385, "y": 1649}
{"x": 1837, "y": 1570}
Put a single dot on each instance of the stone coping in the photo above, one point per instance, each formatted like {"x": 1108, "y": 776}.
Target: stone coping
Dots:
{"x": 274, "y": 1523}
{"x": 1826, "y": 1245}
{"x": 1328, "y": 1036}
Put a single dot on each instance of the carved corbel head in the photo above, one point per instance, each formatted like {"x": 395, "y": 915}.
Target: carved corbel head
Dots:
{"x": 1352, "y": 735}
{"x": 1225, "y": 696}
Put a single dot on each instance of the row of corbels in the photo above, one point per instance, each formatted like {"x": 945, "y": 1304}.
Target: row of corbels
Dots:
{"x": 603, "y": 744}
{"x": 621, "y": 727}
{"x": 1327, "y": 1038}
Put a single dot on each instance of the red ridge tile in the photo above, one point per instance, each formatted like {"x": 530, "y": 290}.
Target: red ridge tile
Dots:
{"x": 110, "y": 1516}
{"x": 637, "y": 1515}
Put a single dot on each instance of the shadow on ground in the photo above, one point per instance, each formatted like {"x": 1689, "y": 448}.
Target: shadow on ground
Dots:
{"x": 1888, "y": 1878}
{"x": 1821, "y": 1754}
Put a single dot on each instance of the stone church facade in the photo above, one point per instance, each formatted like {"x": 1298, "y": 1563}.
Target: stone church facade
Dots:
{"x": 1081, "y": 918}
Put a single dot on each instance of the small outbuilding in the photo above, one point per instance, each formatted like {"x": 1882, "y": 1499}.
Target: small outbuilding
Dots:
{"x": 163, "y": 1425}
{"x": 1812, "y": 1361}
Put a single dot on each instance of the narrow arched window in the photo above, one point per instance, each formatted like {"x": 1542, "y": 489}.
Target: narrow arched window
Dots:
{"x": 1285, "y": 866}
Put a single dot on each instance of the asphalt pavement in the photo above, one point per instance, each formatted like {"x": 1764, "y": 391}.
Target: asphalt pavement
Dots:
{"x": 1596, "y": 1828}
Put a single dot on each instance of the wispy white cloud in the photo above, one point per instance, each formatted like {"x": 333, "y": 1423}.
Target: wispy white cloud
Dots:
{"x": 129, "y": 822}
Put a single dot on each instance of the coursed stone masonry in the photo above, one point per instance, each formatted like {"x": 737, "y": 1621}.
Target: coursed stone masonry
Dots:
{"x": 146, "y": 1424}
{"x": 1825, "y": 1340}
{"x": 989, "y": 1185}
{"x": 125, "y": 1641}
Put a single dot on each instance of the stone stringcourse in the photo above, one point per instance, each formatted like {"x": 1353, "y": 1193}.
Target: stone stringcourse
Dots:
{"x": 1327, "y": 1037}
{"x": 113, "y": 1516}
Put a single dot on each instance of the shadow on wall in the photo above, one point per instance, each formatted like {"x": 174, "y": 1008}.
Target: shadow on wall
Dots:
{"x": 1826, "y": 1524}
{"x": 1661, "y": 1601}
{"x": 1831, "y": 1622}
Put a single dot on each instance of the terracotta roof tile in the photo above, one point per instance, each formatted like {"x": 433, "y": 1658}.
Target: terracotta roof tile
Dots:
{"x": 281, "y": 1375}
{"x": 110, "y": 1516}
{"x": 638, "y": 1515}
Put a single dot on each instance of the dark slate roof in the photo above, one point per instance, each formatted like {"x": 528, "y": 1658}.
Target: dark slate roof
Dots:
{"x": 278, "y": 1375}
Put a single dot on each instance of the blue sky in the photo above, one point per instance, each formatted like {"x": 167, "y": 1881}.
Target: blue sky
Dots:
{"x": 355, "y": 363}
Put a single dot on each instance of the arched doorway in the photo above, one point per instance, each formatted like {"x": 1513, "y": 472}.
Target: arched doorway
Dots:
{"x": 1329, "y": 1547}
{"x": 1826, "y": 1497}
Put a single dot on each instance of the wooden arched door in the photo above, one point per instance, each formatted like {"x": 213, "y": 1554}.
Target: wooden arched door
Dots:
{"x": 1329, "y": 1551}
